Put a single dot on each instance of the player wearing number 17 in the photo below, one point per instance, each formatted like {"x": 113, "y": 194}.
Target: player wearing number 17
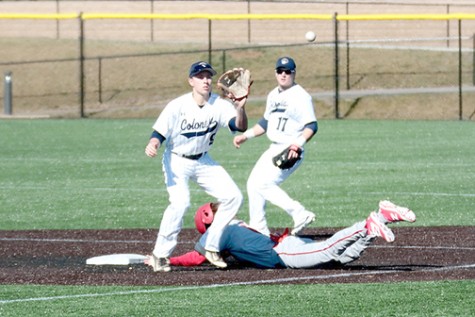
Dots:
{"x": 187, "y": 127}
{"x": 289, "y": 121}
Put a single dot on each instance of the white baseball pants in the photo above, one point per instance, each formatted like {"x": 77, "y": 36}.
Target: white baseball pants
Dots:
{"x": 214, "y": 180}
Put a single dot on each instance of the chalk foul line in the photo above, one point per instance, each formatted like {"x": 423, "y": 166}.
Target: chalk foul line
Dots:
{"x": 271, "y": 281}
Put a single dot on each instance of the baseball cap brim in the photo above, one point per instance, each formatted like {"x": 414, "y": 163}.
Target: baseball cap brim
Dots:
{"x": 199, "y": 67}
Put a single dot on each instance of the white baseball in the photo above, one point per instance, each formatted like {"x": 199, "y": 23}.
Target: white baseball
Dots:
{"x": 310, "y": 36}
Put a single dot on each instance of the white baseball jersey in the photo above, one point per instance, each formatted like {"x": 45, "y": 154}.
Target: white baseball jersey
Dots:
{"x": 190, "y": 129}
{"x": 287, "y": 113}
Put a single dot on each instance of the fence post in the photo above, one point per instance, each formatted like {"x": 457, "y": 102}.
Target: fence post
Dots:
{"x": 447, "y": 25}
{"x": 57, "y": 20}
{"x": 152, "y": 11}
{"x": 81, "y": 66}
{"x": 248, "y": 22}
{"x": 223, "y": 60}
{"x": 209, "y": 42}
{"x": 337, "y": 59}
{"x": 99, "y": 78}
{"x": 460, "y": 70}
{"x": 7, "y": 95}
{"x": 347, "y": 49}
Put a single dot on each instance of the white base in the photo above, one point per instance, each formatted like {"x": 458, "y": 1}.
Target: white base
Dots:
{"x": 116, "y": 259}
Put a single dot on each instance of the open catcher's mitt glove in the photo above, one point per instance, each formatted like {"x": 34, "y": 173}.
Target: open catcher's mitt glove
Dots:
{"x": 282, "y": 159}
{"x": 235, "y": 83}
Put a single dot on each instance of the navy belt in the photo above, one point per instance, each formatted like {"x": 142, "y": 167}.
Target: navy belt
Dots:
{"x": 191, "y": 157}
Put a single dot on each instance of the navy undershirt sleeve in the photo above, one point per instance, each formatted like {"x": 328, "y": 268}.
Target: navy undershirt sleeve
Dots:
{"x": 157, "y": 135}
{"x": 232, "y": 125}
{"x": 263, "y": 123}
{"x": 312, "y": 126}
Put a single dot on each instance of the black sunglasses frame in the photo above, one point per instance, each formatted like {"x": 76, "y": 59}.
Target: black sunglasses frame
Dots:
{"x": 286, "y": 71}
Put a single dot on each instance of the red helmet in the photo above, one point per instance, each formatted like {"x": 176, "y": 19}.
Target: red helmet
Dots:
{"x": 204, "y": 217}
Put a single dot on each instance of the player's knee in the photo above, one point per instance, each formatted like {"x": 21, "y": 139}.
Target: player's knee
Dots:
{"x": 233, "y": 202}
{"x": 256, "y": 185}
{"x": 180, "y": 204}
{"x": 237, "y": 199}
{"x": 252, "y": 185}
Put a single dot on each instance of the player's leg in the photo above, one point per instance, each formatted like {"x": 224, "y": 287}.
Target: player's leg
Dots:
{"x": 264, "y": 185}
{"x": 300, "y": 253}
{"x": 355, "y": 250}
{"x": 375, "y": 226}
{"x": 388, "y": 212}
{"x": 278, "y": 197}
{"x": 176, "y": 179}
{"x": 216, "y": 182}
{"x": 257, "y": 202}
{"x": 171, "y": 223}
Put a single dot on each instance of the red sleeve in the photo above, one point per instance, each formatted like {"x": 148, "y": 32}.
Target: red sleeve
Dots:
{"x": 192, "y": 258}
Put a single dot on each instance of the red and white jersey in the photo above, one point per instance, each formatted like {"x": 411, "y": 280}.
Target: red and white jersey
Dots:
{"x": 190, "y": 129}
{"x": 287, "y": 113}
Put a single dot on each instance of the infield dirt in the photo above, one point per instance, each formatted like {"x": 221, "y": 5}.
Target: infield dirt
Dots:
{"x": 59, "y": 257}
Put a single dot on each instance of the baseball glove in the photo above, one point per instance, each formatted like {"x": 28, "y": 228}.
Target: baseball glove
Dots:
{"x": 235, "y": 84}
{"x": 282, "y": 159}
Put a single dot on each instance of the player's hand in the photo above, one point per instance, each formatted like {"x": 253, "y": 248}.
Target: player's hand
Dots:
{"x": 294, "y": 151}
{"x": 239, "y": 104}
{"x": 151, "y": 148}
{"x": 238, "y": 140}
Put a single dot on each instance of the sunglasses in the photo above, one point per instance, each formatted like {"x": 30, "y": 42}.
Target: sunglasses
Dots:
{"x": 286, "y": 71}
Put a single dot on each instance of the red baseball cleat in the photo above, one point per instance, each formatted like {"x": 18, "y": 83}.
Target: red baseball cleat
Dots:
{"x": 394, "y": 213}
{"x": 375, "y": 228}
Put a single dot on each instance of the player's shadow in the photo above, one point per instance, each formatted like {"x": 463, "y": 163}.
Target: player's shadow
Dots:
{"x": 316, "y": 237}
{"x": 361, "y": 267}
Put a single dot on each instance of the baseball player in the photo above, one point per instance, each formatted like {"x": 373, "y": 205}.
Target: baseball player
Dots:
{"x": 287, "y": 251}
{"x": 188, "y": 127}
{"x": 289, "y": 120}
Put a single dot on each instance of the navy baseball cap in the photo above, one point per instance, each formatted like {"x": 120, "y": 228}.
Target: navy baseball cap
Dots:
{"x": 285, "y": 63}
{"x": 199, "y": 67}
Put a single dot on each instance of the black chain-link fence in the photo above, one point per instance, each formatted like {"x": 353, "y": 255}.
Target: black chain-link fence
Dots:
{"x": 130, "y": 64}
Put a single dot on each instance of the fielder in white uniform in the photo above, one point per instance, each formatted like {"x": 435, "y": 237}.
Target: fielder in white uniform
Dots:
{"x": 189, "y": 125}
{"x": 289, "y": 119}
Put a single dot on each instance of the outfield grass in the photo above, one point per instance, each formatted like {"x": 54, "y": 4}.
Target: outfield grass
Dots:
{"x": 431, "y": 299}
{"x": 66, "y": 174}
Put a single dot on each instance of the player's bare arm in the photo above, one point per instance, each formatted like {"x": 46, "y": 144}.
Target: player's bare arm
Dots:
{"x": 241, "y": 115}
{"x": 308, "y": 132}
{"x": 256, "y": 130}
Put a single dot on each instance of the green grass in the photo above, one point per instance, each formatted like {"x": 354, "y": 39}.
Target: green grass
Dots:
{"x": 396, "y": 299}
{"x": 93, "y": 174}
{"x": 65, "y": 174}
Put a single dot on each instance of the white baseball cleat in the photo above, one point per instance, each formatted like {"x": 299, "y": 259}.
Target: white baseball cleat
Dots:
{"x": 375, "y": 228}
{"x": 307, "y": 219}
{"x": 158, "y": 264}
{"x": 394, "y": 213}
{"x": 215, "y": 259}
